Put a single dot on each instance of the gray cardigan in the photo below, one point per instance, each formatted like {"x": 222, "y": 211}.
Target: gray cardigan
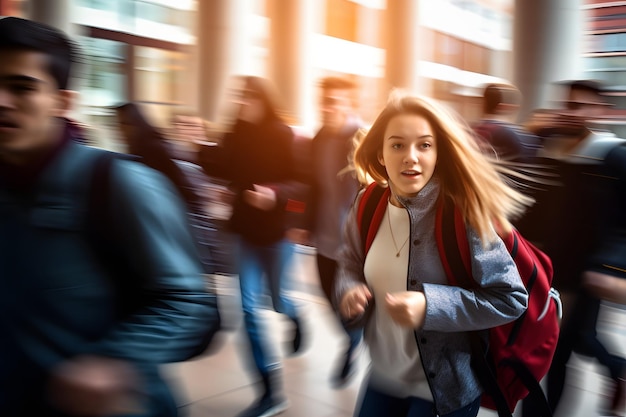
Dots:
{"x": 451, "y": 311}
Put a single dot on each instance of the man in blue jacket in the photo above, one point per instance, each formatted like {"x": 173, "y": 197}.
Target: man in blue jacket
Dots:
{"x": 91, "y": 303}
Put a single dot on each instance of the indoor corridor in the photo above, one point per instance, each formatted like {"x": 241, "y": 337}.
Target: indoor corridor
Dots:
{"x": 218, "y": 384}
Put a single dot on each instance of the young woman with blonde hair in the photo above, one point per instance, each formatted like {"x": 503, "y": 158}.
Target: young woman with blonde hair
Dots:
{"x": 416, "y": 325}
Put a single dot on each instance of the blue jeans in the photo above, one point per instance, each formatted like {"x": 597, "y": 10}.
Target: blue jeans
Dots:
{"x": 327, "y": 269}
{"x": 257, "y": 262}
{"x": 377, "y": 404}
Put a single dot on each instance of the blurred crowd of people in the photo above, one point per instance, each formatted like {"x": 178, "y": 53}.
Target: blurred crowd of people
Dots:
{"x": 106, "y": 258}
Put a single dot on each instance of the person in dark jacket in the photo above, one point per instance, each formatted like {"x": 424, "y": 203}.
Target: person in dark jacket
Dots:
{"x": 256, "y": 158}
{"x": 500, "y": 135}
{"x": 149, "y": 144}
{"x": 606, "y": 275}
{"x": 332, "y": 189}
{"x": 580, "y": 222}
{"x": 85, "y": 325}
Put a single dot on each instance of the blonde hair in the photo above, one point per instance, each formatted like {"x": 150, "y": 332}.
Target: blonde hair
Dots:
{"x": 475, "y": 182}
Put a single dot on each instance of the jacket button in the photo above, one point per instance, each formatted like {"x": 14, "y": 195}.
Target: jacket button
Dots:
{"x": 416, "y": 242}
{"x": 423, "y": 340}
{"x": 413, "y": 282}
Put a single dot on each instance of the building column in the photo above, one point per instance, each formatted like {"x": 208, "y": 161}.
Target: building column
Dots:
{"x": 291, "y": 26}
{"x": 547, "y": 44}
{"x": 220, "y": 47}
{"x": 401, "y": 42}
{"x": 369, "y": 97}
{"x": 55, "y": 13}
{"x": 6, "y": 8}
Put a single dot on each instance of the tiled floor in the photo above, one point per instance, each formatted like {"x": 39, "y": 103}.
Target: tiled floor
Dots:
{"x": 218, "y": 385}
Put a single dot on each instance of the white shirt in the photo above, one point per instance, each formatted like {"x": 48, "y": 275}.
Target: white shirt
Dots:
{"x": 396, "y": 366}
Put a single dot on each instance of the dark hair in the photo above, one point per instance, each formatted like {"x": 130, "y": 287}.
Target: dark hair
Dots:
{"x": 570, "y": 87}
{"x": 339, "y": 83}
{"x": 495, "y": 94}
{"x": 130, "y": 113}
{"x": 145, "y": 140}
{"x": 17, "y": 33}
{"x": 591, "y": 86}
{"x": 150, "y": 145}
{"x": 263, "y": 90}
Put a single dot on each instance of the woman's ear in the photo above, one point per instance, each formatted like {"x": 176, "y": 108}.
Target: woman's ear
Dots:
{"x": 380, "y": 159}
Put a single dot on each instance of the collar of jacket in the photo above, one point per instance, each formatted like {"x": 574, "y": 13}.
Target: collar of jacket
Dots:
{"x": 425, "y": 200}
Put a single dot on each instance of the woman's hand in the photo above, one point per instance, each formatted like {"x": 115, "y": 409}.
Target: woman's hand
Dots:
{"x": 263, "y": 198}
{"x": 355, "y": 301}
{"x": 407, "y": 308}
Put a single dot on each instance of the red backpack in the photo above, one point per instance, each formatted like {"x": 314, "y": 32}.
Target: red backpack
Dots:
{"x": 519, "y": 353}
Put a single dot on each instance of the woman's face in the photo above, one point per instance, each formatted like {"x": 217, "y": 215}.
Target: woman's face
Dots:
{"x": 409, "y": 153}
{"x": 252, "y": 109}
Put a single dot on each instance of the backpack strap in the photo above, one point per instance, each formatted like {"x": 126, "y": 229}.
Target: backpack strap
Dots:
{"x": 102, "y": 233}
{"x": 99, "y": 222}
{"x": 535, "y": 392}
{"x": 451, "y": 237}
{"x": 100, "y": 190}
{"x": 370, "y": 212}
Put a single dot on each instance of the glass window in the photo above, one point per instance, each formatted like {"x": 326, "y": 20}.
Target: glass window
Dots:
{"x": 606, "y": 63}
{"x": 161, "y": 78}
{"x": 102, "y": 71}
{"x": 108, "y": 5}
{"x": 126, "y": 10}
{"x": 158, "y": 13}
{"x": 614, "y": 42}
{"x": 606, "y": 42}
{"x": 101, "y": 85}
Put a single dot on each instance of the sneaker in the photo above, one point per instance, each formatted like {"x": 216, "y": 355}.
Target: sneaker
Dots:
{"x": 296, "y": 342}
{"x": 297, "y": 338}
{"x": 618, "y": 403}
{"x": 267, "y": 406}
{"x": 616, "y": 406}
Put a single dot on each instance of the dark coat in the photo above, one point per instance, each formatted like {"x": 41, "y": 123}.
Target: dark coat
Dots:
{"x": 335, "y": 162}
{"x": 259, "y": 154}
{"x": 59, "y": 297}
